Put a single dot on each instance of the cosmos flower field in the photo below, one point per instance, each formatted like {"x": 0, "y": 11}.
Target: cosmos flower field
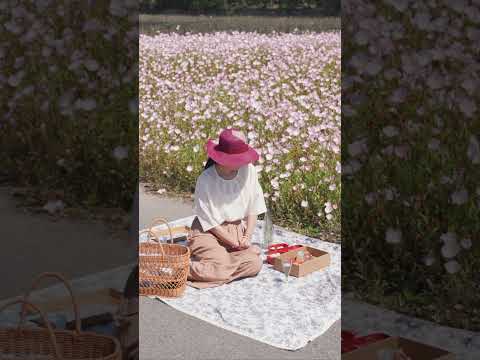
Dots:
{"x": 283, "y": 90}
{"x": 411, "y": 155}
{"x": 68, "y": 100}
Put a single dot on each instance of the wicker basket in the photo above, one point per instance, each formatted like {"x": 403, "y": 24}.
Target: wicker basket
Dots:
{"x": 45, "y": 343}
{"x": 163, "y": 268}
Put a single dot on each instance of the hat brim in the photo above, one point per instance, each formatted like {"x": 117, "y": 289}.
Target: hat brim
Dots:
{"x": 231, "y": 160}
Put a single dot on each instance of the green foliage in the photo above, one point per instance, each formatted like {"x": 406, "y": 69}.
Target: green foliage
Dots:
{"x": 151, "y": 24}
{"x": 327, "y": 7}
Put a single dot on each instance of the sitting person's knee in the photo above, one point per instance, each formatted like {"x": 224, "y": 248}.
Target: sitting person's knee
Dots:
{"x": 256, "y": 249}
{"x": 256, "y": 264}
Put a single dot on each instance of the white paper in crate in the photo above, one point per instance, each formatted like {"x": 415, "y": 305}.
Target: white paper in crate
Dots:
{"x": 266, "y": 308}
{"x": 163, "y": 239}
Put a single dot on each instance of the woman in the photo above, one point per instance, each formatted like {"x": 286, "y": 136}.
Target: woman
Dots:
{"x": 228, "y": 198}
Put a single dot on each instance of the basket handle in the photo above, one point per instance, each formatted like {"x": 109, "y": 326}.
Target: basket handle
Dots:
{"x": 152, "y": 236}
{"x": 26, "y": 303}
{"x": 62, "y": 279}
{"x": 158, "y": 221}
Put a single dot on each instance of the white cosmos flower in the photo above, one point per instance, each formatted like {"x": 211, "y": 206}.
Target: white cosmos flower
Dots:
{"x": 469, "y": 85}
{"x": 398, "y": 96}
{"x": 274, "y": 183}
{"x": 434, "y": 144}
{"x": 467, "y": 106}
{"x": 13, "y": 27}
{"x": 370, "y": 198}
{"x": 351, "y": 167}
{"x": 422, "y": 20}
{"x": 14, "y": 80}
{"x": 473, "y": 151}
{"x": 393, "y": 236}
{"x": 452, "y": 267}
{"x": 361, "y": 37}
{"x": 54, "y": 206}
{"x": 390, "y": 194}
{"x": 460, "y": 197}
{"x": 161, "y": 191}
{"x": 328, "y": 207}
{"x": 401, "y": 151}
{"x": 91, "y": 65}
{"x": 329, "y": 216}
{"x": 189, "y": 168}
{"x": 133, "y": 106}
{"x": 373, "y": 67}
{"x": 390, "y": 131}
{"x": 466, "y": 243}
{"x": 120, "y": 152}
{"x": 85, "y": 104}
{"x": 357, "y": 147}
{"x": 429, "y": 260}
{"x": 450, "y": 247}
{"x": 332, "y": 187}
{"x": 304, "y": 203}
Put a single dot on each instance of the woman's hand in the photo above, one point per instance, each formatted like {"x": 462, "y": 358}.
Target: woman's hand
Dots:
{"x": 245, "y": 242}
{"x": 224, "y": 237}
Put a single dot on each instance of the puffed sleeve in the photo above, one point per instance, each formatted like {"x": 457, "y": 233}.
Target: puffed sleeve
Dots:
{"x": 257, "y": 204}
{"x": 203, "y": 208}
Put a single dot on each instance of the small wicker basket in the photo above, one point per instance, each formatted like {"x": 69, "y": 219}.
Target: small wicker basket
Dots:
{"x": 163, "y": 268}
{"x": 22, "y": 343}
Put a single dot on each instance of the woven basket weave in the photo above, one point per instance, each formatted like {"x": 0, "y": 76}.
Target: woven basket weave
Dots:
{"x": 163, "y": 268}
{"x": 22, "y": 343}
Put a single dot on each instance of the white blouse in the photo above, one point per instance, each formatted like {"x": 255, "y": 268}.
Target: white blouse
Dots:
{"x": 218, "y": 200}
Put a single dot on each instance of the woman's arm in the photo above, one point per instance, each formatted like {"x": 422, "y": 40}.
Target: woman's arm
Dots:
{"x": 251, "y": 221}
{"x": 224, "y": 237}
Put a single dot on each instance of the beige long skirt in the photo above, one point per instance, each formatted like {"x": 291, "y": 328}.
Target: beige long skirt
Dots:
{"x": 213, "y": 264}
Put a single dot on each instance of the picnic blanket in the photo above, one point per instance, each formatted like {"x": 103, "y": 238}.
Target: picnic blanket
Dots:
{"x": 266, "y": 308}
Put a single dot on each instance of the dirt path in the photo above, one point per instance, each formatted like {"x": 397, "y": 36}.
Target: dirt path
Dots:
{"x": 33, "y": 243}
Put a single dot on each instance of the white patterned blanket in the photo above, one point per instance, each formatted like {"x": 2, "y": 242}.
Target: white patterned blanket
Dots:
{"x": 266, "y": 307}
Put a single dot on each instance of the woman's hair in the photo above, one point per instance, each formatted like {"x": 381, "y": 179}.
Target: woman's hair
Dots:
{"x": 209, "y": 163}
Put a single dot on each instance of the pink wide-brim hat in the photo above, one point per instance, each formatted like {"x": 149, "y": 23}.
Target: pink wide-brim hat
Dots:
{"x": 231, "y": 151}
